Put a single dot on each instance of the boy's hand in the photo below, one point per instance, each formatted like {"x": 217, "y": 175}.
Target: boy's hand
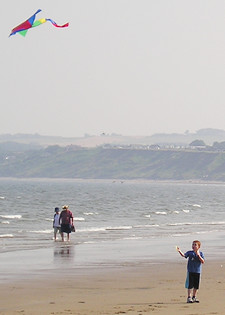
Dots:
{"x": 179, "y": 251}
{"x": 200, "y": 257}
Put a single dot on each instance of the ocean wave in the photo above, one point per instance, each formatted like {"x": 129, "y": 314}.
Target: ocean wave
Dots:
{"x": 5, "y": 222}
{"x": 186, "y": 211}
{"x": 196, "y": 205}
{"x": 92, "y": 229}
{"x": 41, "y": 231}
{"x": 193, "y": 232}
{"x": 206, "y": 232}
{"x": 133, "y": 238}
{"x": 89, "y": 242}
{"x": 6, "y": 236}
{"x": 145, "y": 226}
{"x": 181, "y": 234}
{"x": 196, "y": 223}
{"x": 103, "y": 229}
{"x": 79, "y": 219}
{"x": 161, "y": 212}
{"x": 15, "y": 216}
{"x": 118, "y": 228}
{"x": 2, "y": 198}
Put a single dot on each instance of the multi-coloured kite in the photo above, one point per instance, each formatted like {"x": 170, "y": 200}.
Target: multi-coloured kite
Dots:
{"x": 25, "y": 26}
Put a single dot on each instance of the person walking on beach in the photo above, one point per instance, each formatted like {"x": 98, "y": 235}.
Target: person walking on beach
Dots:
{"x": 66, "y": 221}
{"x": 195, "y": 260}
{"x": 56, "y": 224}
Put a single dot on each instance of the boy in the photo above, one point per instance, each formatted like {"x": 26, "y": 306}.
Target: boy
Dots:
{"x": 194, "y": 266}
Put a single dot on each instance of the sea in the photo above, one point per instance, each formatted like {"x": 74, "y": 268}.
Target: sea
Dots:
{"x": 108, "y": 211}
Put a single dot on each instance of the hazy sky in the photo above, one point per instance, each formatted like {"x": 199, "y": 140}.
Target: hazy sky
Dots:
{"x": 132, "y": 67}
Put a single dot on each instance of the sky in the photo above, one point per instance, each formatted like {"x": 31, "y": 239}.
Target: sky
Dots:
{"x": 129, "y": 67}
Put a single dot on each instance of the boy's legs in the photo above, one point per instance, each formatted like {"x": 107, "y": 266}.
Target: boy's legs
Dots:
{"x": 193, "y": 284}
{"x": 196, "y": 286}
{"x": 189, "y": 298}
{"x": 190, "y": 287}
{"x": 194, "y": 298}
{"x": 194, "y": 279}
{"x": 195, "y": 292}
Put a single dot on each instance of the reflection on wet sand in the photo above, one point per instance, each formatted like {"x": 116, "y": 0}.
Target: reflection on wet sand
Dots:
{"x": 63, "y": 252}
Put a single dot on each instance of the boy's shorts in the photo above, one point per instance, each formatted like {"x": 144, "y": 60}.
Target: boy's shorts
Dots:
{"x": 192, "y": 280}
{"x": 56, "y": 229}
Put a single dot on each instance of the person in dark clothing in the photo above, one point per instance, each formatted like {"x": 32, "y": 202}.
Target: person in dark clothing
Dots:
{"x": 66, "y": 221}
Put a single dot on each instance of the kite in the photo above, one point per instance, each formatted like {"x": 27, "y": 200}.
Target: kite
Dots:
{"x": 25, "y": 26}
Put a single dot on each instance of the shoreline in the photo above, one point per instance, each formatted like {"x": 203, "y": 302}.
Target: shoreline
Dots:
{"x": 114, "y": 180}
{"x": 30, "y": 263}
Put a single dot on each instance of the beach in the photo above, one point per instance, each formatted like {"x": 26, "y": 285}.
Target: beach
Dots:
{"x": 86, "y": 280}
{"x": 122, "y": 258}
{"x": 136, "y": 289}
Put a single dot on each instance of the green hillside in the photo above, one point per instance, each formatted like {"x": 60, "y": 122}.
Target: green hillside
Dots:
{"x": 99, "y": 163}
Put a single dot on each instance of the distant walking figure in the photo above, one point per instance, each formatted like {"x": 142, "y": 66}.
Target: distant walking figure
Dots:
{"x": 66, "y": 221}
{"x": 56, "y": 224}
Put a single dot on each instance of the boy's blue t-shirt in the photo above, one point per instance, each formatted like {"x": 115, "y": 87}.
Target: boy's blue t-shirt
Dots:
{"x": 194, "y": 264}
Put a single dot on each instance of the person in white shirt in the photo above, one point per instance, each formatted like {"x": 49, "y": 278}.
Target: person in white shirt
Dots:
{"x": 56, "y": 224}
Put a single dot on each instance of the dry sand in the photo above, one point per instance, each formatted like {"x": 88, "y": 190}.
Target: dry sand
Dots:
{"x": 142, "y": 288}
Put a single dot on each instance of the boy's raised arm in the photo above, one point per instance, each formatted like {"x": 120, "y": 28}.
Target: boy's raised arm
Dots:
{"x": 200, "y": 257}
{"x": 180, "y": 252}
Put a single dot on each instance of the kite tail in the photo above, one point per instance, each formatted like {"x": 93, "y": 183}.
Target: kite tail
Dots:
{"x": 56, "y": 25}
